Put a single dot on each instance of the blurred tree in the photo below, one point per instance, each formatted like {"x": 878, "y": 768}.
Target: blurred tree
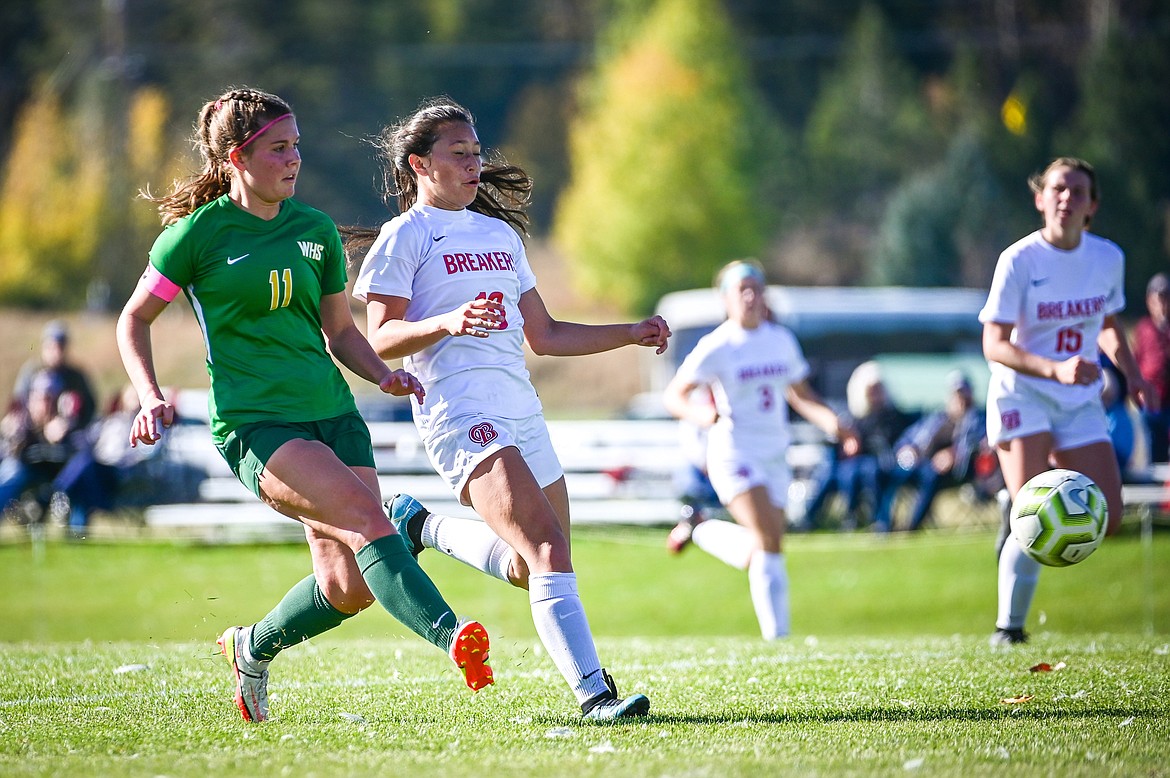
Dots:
{"x": 60, "y": 211}
{"x": 666, "y": 155}
{"x": 51, "y": 200}
{"x": 1122, "y": 127}
{"x": 938, "y": 219}
{"x": 872, "y": 89}
{"x": 869, "y": 126}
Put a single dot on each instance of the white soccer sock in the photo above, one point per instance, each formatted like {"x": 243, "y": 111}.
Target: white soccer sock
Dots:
{"x": 1018, "y": 576}
{"x": 768, "y": 581}
{"x": 724, "y": 540}
{"x": 560, "y": 622}
{"x": 470, "y": 541}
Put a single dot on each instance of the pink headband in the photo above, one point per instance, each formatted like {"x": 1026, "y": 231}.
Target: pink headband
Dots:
{"x": 261, "y": 131}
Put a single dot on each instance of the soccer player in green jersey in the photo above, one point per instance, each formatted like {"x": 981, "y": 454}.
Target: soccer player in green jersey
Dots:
{"x": 266, "y": 277}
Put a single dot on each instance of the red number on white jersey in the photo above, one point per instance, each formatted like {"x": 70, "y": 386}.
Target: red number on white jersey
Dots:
{"x": 1069, "y": 340}
{"x": 496, "y": 297}
{"x": 767, "y": 398}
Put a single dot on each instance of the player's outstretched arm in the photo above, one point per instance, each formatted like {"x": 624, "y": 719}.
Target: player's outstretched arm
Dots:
{"x": 1115, "y": 345}
{"x": 805, "y": 401}
{"x": 550, "y": 337}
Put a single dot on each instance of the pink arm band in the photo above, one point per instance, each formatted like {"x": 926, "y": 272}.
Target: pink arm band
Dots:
{"x": 159, "y": 285}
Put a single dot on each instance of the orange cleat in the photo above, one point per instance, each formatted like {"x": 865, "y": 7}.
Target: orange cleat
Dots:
{"x": 469, "y": 651}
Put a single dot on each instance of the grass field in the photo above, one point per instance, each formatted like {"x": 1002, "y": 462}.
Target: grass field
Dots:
{"x": 108, "y": 667}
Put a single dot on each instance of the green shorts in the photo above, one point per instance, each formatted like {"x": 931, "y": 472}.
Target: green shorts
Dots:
{"x": 248, "y": 448}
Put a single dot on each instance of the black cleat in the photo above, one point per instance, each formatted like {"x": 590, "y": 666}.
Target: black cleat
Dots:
{"x": 1007, "y": 637}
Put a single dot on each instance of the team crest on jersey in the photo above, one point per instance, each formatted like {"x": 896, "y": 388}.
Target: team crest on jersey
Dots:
{"x": 311, "y": 250}
{"x": 483, "y": 433}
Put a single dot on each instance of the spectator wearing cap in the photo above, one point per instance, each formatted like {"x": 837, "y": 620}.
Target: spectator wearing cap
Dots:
{"x": 937, "y": 451}
{"x": 1151, "y": 349}
{"x": 77, "y": 398}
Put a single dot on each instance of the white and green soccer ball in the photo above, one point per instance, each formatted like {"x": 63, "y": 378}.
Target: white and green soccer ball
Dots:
{"x": 1059, "y": 517}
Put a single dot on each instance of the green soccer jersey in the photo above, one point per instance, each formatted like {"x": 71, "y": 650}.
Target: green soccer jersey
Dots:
{"x": 256, "y": 288}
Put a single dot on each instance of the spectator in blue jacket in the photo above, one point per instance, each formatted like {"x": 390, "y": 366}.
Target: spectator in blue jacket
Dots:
{"x": 937, "y": 451}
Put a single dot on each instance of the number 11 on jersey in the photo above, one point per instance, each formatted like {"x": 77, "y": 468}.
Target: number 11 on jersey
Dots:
{"x": 274, "y": 281}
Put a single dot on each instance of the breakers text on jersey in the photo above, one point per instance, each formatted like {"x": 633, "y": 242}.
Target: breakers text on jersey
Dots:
{"x": 471, "y": 263}
{"x": 1071, "y": 309}
{"x": 748, "y": 372}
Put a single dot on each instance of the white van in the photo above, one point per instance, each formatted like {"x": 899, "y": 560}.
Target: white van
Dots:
{"x": 917, "y": 334}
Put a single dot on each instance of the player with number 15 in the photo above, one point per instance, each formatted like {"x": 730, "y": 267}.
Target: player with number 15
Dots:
{"x": 1053, "y": 307}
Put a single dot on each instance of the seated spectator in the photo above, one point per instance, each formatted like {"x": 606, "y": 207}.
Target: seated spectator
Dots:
{"x": 54, "y": 358}
{"x": 1151, "y": 349}
{"x": 38, "y": 438}
{"x": 937, "y": 451}
{"x": 861, "y": 479}
{"x": 103, "y": 463}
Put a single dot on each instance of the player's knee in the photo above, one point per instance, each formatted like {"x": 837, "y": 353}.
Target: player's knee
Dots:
{"x": 367, "y": 520}
{"x": 518, "y": 571}
{"x": 551, "y": 555}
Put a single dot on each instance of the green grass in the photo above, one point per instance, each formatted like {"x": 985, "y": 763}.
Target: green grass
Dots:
{"x": 108, "y": 667}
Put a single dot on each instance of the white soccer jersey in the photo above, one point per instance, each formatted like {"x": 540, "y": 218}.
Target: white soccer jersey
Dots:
{"x": 1057, "y": 301}
{"x": 439, "y": 260}
{"x": 749, "y": 372}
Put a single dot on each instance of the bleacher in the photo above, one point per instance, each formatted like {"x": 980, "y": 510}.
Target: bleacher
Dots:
{"x": 615, "y": 471}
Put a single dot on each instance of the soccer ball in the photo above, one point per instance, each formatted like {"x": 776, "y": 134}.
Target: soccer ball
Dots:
{"x": 1059, "y": 517}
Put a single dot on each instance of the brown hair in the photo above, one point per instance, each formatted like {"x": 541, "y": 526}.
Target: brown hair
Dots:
{"x": 504, "y": 190}
{"x": 1036, "y": 180}
{"x": 225, "y": 123}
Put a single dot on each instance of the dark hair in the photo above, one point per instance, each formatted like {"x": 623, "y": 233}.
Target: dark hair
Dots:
{"x": 1036, "y": 180}
{"x": 225, "y": 123}
{"x": 504, "y": 190}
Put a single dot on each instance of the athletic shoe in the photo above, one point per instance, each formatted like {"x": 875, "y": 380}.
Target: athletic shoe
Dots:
{"x": 469, "y": 651}
{"x": 407, "y": 515}
{"x": 680, "y": 537}
{"x": 1007, "y": 637}
{"x": 251, "y": 682}
{"x": 608, "y": 706}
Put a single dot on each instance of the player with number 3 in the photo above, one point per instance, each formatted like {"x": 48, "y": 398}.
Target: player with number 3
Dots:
{"x": 754, "y": 368}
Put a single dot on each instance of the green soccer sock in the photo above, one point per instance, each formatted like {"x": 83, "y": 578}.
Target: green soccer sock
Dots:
{"x": 405, "y": 590}
{"x": 303, "y": 613}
